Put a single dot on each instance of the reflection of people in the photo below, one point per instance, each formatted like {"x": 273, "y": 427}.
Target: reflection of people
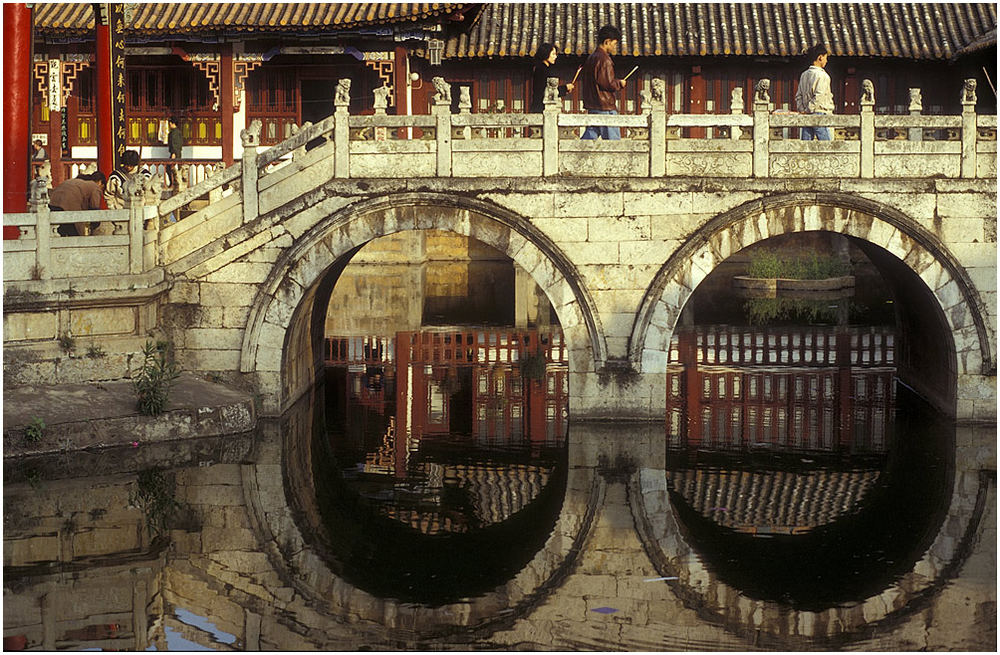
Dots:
{"x": 114, "y": 191}
{"x": 814, "y": 95}
{"x": 37, "y": 151}
{"x": 82, "y": 193}
{"x": 545, "y": 56}
{"x": 175, "y": 145}
{"x": 598, "y": 82}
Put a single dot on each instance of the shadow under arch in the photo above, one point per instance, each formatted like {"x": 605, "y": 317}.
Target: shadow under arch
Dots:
{"x": 277, "y": 346}
{"x": 957, "y": 303}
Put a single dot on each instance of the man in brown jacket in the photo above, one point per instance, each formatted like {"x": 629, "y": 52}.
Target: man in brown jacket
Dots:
{"x": 82, "y": 193}
{"x": 599, "y": 84}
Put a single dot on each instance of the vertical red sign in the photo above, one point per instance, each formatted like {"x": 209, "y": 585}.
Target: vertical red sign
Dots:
{"x": 111, "y": 123}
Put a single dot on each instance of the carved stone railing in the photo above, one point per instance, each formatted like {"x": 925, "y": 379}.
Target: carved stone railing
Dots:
{"x": 758, "y": 144}
{"x": 118, "y": 246}
{"x": 656, "y": 144}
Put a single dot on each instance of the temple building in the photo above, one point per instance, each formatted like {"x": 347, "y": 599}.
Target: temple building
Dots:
{"x": 217, "y": 67}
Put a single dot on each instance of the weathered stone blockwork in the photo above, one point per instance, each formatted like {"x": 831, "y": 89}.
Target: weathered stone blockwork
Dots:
{"x": 617, "y": 257}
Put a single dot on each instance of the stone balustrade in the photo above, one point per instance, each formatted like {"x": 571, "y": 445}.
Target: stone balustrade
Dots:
{"x": 467, "y": 145}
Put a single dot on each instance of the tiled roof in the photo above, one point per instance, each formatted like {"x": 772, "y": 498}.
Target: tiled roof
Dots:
{"x": 910, "y": 30}
{"x": 157, "y": 17}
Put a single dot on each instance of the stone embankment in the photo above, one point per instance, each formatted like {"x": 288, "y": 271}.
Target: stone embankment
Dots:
{"x": 101, "y": 416}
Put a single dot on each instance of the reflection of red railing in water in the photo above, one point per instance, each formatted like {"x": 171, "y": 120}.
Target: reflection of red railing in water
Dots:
{"x": 479, "y": 346}
{"x": 798, "y": 346}
{"x": 482, "y": 346}
{"x": 801, "y": 404}
{"x": 423, "y": 368}
{"x": 359, "y": 350}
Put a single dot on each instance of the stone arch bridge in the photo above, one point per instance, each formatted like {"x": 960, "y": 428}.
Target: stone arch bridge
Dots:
{"x": 617, "y": 234}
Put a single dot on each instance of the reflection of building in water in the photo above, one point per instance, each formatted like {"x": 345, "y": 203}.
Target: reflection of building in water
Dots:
{"x": 494, "y": 387}
{"x": 766, "y": 502}
{"x": 817, "y": 388}
{"x": 496, "y": 492}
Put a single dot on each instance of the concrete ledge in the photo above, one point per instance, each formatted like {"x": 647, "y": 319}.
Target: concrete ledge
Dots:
{"x": 99, "y": 416}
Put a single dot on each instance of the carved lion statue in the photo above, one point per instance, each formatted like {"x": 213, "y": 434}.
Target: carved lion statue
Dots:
{"x": 443, "y": 90}
{"x": 342, "y": 97}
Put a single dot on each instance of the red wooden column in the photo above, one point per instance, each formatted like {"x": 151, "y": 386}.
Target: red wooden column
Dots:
{"x": 105, "y": 116}
{"x": 17, "y": 105}
{"x": 226, "y": 103}
{"x": 696, "y": 99}
{"x": 401, "y": 81}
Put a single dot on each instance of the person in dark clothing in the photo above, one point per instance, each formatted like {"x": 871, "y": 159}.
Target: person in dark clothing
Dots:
{"x": 545, "y": 56}
{"x": 598, "y": 83}
{"x": 175, "y": 145}
{"x": 82, "y": 193}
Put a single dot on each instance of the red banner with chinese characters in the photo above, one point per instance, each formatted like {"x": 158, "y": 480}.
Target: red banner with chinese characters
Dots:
{"x": 110, "y": 23}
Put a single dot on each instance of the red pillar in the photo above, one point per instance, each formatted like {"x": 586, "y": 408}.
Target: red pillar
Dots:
{"x": 17, "y": 105}
{"x": 687, "y": 347}
{"x": 226, "y": 103}
{"x": 105, "y": 118}
{"x": 696, "y": 99}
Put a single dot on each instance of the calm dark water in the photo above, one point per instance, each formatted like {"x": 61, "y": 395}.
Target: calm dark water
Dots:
{"x": 442, "y": 465}
{"x": 800, "y": 470}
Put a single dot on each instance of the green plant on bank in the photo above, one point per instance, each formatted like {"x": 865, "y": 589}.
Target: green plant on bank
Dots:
{"x": 34, "y": 431}
{"x": 155, "y": 378}
{"x": 813, "y": 266}
{"x": 67, "y": 343}
{"x": 761, "y": 311}
{"x": 96, "y": 352}
{"x": 533, "y": 367}
{"x": 33, "y": 478}
{"x": 154, "y": 496}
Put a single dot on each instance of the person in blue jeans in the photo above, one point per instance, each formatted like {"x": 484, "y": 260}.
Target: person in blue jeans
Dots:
{"x": 598, "y": 84}
{"x": 814, "y": 95}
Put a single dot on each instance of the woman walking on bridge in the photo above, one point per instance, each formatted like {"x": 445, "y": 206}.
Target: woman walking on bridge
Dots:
{"x": 545, "y": 56}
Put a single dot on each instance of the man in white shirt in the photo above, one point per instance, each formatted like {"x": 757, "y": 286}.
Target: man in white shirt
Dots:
{"x": 814, "y": 95}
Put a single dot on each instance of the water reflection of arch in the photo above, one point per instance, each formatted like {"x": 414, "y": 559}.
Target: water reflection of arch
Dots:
{"x": 290, "y": 529}
{"x": 670, "y": 535}
{"x": 898, "y": 242}
{"x": 279, "y": 344}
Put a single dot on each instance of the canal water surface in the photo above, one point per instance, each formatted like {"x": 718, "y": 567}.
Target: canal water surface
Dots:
{"x": 433, "y": 492}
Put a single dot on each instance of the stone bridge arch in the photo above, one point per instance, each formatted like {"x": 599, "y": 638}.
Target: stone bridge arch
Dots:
{"x": 280, "y": 318}
{"x": 960, "y": 305}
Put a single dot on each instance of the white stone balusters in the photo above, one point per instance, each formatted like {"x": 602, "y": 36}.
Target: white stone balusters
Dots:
{"x": 38, "y": 202}
{"x": 867, "y": 136}
{"x": 654, "y": 102}
{"x": 135, "y": 196}
{"x": 916, "y": 108}
{"x": 465, "y": 107}
{"x": 969, "y": 131}
{"x": 761, "y": 128}
{"x": 381, "y": 99}
{"x": 441, "y": 109}
{"x": 250, "y": 138}
{"x": 550, "y": 127}
{"x": 736, "y": 107}
{"x": 342, "y": 129}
